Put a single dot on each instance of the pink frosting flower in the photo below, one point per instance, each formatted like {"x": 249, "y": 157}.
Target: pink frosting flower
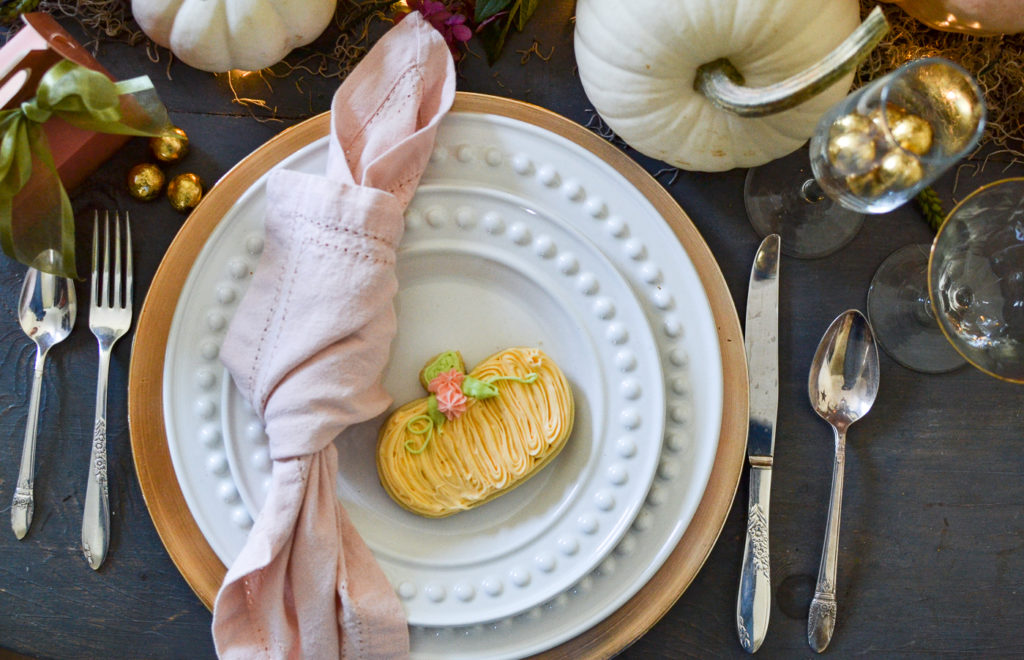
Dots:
{"x": 447, "y": 387}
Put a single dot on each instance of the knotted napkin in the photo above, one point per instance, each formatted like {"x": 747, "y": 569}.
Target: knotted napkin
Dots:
{"x": 307, "y": 347}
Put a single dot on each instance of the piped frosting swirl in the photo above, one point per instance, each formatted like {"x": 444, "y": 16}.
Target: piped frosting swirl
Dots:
{"x": 442, "y": 454}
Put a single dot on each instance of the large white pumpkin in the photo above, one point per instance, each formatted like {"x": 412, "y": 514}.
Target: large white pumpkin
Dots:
{"x": 220, "y": 35}
{"x": 638, "y": 59}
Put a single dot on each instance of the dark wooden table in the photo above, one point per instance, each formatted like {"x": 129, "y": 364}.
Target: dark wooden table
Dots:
{"x": 932, "y": 547}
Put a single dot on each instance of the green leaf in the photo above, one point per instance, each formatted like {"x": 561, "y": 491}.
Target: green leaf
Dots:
{"x": 526, "y": 9}
{"x": 434, "y": 413}
{"x": 487, "y": 8}
{"x": 493, "y": 39}
{"x": 440, "y": 363}
{"x": 478, "y": 389}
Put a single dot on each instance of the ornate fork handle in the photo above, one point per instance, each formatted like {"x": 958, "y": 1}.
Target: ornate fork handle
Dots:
{"x": 96, "y": 520}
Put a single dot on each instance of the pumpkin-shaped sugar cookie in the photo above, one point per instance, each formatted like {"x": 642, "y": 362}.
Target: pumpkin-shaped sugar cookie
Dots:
{"x": 477, "y": 435}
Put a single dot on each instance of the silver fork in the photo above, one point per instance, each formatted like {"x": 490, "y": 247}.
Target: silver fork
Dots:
{"x": 109, "y": 319}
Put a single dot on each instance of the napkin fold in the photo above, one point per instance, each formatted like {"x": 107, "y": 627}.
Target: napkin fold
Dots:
{"x": 307, "y": 347}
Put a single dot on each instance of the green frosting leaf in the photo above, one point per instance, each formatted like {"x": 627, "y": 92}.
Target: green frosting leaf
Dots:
{"x": 478, "y": 389}
{"x": 441, "y": 363}
{"x": 434, "y": 412}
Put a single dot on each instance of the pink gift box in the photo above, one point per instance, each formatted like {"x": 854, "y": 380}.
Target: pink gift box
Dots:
{"x": 40, "y": 44}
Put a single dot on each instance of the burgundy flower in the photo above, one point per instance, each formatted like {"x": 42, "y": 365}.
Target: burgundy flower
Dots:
{"x": 449, "y": 21}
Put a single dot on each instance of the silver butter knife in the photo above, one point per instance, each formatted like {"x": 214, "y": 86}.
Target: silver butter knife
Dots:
{"x": 761, "y": 338}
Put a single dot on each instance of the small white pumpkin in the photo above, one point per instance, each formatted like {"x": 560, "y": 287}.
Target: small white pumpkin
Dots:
{"x": 220, "y": 35}
{"x": 638, "y": 60}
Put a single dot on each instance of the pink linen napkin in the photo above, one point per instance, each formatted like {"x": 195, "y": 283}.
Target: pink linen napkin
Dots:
{"x": 307, "y": 347}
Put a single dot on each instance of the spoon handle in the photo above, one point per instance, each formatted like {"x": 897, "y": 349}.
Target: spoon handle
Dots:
{"x": 821, "y": 619}
{"x": 96, "y": 520}
{"x": 22, "y": 505}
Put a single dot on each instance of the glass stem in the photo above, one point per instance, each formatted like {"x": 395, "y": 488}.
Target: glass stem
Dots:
{"x": 923, "y": 312}
{"x": 812, "y": 192}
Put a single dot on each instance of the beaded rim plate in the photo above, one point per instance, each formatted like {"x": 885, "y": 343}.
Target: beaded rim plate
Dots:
{"x": 480, "y": 268}
{"x": 612, "y": 606}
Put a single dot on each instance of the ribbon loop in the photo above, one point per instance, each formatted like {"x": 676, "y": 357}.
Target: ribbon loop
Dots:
{"x": 85, "y": 99}
{"x": 34, "y": 112}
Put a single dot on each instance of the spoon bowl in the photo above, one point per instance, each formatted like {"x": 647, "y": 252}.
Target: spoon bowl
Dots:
{"x": 843, "y": 384}
{"x": 46, "y": 311}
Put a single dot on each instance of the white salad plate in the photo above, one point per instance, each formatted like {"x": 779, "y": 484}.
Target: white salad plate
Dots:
{"x": 517, "y": 236}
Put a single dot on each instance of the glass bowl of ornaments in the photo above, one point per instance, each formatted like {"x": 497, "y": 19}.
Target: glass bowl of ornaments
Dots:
{"x": 870, "y": 153}
{"x": 883, "y": 144}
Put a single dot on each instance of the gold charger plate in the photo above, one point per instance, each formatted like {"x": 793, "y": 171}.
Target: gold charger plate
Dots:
{"x": 187, "y": 546}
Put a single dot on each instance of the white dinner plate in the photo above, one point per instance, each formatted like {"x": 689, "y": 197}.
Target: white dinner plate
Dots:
{"x": 519, "y": 237}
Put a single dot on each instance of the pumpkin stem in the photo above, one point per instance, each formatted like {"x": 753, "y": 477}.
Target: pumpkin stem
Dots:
{"x": 722, "y": 83}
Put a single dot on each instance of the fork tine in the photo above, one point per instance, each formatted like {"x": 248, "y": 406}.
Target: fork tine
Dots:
{"x": 105, "y": 301}
{"x": 128, "y": 261}
{"x": 95, "y": 257}
{"x": 116, "y": 302}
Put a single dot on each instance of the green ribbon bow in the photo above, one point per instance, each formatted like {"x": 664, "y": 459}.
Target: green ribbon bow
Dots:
{"x": 87, "y": 100}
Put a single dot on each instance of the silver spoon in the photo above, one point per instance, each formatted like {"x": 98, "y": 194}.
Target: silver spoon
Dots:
{"x": 842, "y": 386}
{"x": 46, "y": 311}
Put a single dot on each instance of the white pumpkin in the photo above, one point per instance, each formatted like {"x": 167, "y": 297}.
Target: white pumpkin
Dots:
{"x": 220, "y": 35}
{"x": 638, "y": 60}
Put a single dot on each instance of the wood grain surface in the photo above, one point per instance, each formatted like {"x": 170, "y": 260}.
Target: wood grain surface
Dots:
{"x": 932, "y": 545}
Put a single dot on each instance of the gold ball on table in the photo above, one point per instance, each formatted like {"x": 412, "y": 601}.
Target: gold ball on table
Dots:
{"x": 170, "y": 148}
{"x": 184, "y": 191}
{"x": 145, "y": 181}
{"x": 899, "y": 170}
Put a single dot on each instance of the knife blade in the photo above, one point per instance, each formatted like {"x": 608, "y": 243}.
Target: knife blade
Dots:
{"x": 760, "y": 338}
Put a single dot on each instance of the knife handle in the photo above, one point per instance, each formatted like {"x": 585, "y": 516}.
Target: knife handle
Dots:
{"x": 753, "y": 603}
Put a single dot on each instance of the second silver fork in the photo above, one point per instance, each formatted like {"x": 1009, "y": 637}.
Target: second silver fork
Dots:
{"x": 110, "y": 316}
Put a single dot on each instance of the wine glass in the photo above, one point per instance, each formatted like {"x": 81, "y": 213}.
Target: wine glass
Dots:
{"x": 970, "y": 294}
{"x": 870, "y": 153}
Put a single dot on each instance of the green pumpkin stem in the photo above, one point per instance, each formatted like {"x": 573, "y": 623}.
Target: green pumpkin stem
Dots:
{"x": 723, "y": 84}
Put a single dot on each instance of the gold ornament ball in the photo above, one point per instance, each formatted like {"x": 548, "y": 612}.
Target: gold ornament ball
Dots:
{"x": 893, "y": 113}
{"x": 184, "y": 191}
{"x": 913, "y": 133}
{"x": 145, "y": 181}
{"x": 865, "y": 185}
{"x": 899, "y": 170}
{"x": 850, "y": 123}
{"x": 170, "y": 148}
{"x": 852, "y": 152}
